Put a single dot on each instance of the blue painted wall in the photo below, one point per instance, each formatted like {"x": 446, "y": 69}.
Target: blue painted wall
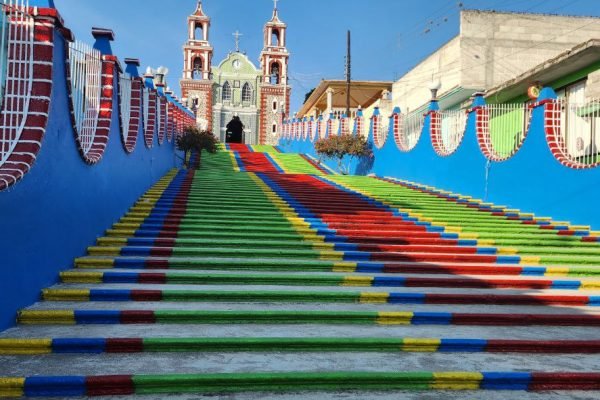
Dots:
{"x": 63, "y": 205}
{"x": 532, "y": 180}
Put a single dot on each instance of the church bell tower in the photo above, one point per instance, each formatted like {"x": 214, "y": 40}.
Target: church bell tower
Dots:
{"x": 275, "y": 90}
{"x": 196, "y": 84}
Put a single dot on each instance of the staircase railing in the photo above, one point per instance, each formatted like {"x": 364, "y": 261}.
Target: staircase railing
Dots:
{"x": 447, "y": 130}
{"x": 502, "y": 129}
{"x": 573, "y": 132}
{"x": 16, "y": 72}
{"x": 408, "y": 131}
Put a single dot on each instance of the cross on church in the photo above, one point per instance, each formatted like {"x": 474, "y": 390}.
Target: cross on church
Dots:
{"x": 275, "y": 2}
{"x": 237, "y": 36}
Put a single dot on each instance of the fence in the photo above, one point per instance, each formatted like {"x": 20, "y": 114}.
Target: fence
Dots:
{"x": 27, "y": 76}
{"x": 501, "y": 129}
{"x": 125, "y": 107}
{"x": 407, "y": 130}
{"x": 573, "y": 132}
{"x": 447, "y": 130}
{"x": 85, "y": 77}
{"x": 16, "y": 64}
{"x": 150, "y": 116}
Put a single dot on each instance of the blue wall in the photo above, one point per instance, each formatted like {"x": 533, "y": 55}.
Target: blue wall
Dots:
{"x": 532, "y": 180}
{"x": 63, "y": 205}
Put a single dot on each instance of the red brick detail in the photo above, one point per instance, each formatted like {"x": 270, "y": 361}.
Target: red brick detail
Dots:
{"x": 435, "y": 132}
{"x": 170, "y": 121}
{"x": 24, "y": 153}
{"x": 484, "y": 139}
{"x": 162, "y": 116}
{"x": 376, "y": 128}
{"x": 552, "y": 126}
{"x": 102, "y": 130}
{"x": 134, "y": 116}
{"x": 150, "y": 123}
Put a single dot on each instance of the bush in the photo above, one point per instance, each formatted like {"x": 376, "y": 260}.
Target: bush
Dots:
{"x": 196, "y": 140}
{"x": 338, "y": 147}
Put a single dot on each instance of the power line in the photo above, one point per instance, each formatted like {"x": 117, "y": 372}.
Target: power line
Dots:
{"x": 430, "y": 71}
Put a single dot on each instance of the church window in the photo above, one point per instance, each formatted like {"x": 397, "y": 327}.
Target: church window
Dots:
{"x": 275, "y": 38}
{"x": 274, "y": 105}
{"x": 247, "y": 92}
{"x": 227, "y": 92}
{"x": 275, "y": 73}
{"x": 197, "y": 68}
{"x": 198, "y": 32}
{"x": 274, "y": 129}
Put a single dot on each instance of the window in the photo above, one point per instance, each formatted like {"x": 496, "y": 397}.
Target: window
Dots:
{"x": 198, "y": 32}
{"x": 274, "y": 130}
{"x": 275, "y": 107}
{"x": 274, "y": 74}
{"x": 197, "y": 74}
{"x": 275, "y": 38}
{"x": 227, "y": 92}
{"x": 246, "y": 92}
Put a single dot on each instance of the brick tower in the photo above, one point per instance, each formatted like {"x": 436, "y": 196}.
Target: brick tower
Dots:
{"x": 196, "y": 85}
{"x": 275, "y": 91}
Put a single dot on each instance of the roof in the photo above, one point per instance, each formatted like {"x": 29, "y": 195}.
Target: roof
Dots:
{"x": 362, "y": 93}
{"x": 568, "y": 62}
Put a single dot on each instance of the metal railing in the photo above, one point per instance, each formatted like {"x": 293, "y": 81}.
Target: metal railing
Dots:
{"x": 502, "y": 129}
{"x": 407, "y": 131}
{"x": 305, "y": 130}
{"x": 16, "y": 71}
{"x": 335, "y": 127}
{"x": 578, "y": 136}
{"x": 85, "y": 68}
{"x": 146, "y": 111}
{"x": 161, "y": 117}
{"x": 448, "y": 130}
{"x": 125, "y": 87}
{"x": 359, "y": 123}
{"x": 379, "y": 131}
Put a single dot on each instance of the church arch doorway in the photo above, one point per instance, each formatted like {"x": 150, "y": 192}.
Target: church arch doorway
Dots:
{"x": 234, "y": 131}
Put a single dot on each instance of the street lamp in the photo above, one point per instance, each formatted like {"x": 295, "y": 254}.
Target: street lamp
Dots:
{"x": 434, "y": 87}
{"x": 161, "y": 74}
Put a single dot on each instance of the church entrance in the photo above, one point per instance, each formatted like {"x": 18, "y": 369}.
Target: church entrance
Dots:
{"x": 235, "y": 131}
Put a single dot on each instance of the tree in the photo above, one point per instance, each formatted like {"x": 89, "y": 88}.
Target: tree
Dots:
{"x": 195, "y": 140}
{"x": 307, "y": 95}
{"x": 338, "y": 147}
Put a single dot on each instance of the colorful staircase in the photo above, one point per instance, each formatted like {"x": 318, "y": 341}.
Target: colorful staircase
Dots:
{"x": 263, "y": 272}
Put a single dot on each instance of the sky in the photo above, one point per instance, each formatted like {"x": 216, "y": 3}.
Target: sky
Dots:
{"x": 389, "y": 37}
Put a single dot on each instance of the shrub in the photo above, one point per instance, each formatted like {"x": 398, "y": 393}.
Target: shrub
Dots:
{"x": 337, "y": 147}
{"x": 196, "y": 140}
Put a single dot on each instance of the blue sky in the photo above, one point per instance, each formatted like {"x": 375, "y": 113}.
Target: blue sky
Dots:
{"x": 389, "y": 36}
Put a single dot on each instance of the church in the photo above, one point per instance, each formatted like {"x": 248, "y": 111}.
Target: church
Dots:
{"x": 238, "y": 101}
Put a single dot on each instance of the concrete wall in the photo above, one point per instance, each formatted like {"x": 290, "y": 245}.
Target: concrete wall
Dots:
{"x": 411, "y": 91}
{"x": 491, "y": 48}
{"x": 532, "y": 180}
{"x": 496, "y": 47}
{"x": 62, "y": 205}
{"x": 592, "y": 89}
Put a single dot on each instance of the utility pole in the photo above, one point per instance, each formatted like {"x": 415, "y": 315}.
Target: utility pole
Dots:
{"x": 348, "y": 75}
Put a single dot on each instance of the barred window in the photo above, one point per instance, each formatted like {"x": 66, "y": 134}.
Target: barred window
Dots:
{"x": 227, "y": 92}
{"x": 246, "y": 92}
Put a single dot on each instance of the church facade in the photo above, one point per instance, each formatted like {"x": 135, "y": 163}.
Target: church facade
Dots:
{"x": 236, "y": 90}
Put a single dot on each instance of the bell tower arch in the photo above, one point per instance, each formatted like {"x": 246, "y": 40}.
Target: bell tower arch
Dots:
{"x": 196, "y": 83}
{"x": 275, "y": 87}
